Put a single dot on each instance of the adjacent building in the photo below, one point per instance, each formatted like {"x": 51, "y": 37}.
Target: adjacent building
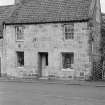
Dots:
{"x": 5, "y": 12}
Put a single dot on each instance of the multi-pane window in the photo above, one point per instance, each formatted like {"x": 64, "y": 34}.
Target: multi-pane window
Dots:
{"x": 67, "y": 60}
{"x": 19, "y": 33}
{"x": 20, "y": 59}
{"x": 69, "y": 31}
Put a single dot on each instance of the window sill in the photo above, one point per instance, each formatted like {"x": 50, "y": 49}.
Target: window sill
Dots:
{"x": 69, "y": 39}
{"x": 68, "y": 69}
{"x": 19, "y": 40}
{"x": 20, "y": 67}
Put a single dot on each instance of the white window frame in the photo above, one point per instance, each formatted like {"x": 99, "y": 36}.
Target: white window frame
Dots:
{"x": 21, "y": 32}
{"x": 69, "y": 31}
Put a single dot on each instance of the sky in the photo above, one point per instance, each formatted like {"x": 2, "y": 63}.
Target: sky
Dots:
{"x": 6, "y": 2}
{"x": 9, "y": 2}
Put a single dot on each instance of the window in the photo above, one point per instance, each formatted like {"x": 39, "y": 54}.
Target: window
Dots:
{"x": 69, "y": 31}
{"x": 20, "y": 59}
{"x": 19, "y": 33}
{"x": 67, "y": 60}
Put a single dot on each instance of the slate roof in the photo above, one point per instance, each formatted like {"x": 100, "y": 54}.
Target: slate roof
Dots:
{"x": 5, "y": 12}
{"x": 34, "y": 11}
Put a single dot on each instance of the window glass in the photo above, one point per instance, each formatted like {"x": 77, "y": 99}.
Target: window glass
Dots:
{"x": 69, "y": 31}
{"x": 67, "y": 60}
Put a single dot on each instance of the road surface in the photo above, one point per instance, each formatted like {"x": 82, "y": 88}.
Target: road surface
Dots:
{"x": 17, "y": 93}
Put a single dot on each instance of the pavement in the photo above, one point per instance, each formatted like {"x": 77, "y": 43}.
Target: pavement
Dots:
{"x": 42, "y": 92}
{"x": 55, "y": 81}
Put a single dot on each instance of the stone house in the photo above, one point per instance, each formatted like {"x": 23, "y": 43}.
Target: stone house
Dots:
{"x": 59, "y": 38}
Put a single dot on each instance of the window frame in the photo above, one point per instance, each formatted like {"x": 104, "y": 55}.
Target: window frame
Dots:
{"x": 16, "y": 32}
{"x": 71, "y": 33}
{"x": 69, "y": 53}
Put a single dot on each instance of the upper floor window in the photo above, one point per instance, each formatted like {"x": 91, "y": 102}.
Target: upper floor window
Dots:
{"x": 19, "y": 33}
{"x": 69, "y": 31}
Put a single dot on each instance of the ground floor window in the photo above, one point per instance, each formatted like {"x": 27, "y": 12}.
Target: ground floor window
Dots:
{"x": 20, "y": 59}
{"x": 67, "y": 60}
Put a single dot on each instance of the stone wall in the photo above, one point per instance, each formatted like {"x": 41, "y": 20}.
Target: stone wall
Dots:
{"x": 47, "y": 38}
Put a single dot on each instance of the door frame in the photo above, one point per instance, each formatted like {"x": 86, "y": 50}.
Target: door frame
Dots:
{"x": 0, "y": 66}
{"x": 40, "y": 55}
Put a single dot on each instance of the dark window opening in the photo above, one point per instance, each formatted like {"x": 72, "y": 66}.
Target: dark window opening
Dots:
{"x": 67, "y": 60}
{"x": 1, "y": 37}
{"x": 20, "y": 59}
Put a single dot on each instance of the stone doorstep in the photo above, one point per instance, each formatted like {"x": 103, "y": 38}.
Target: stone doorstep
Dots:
{"x": 43, "y": 78}
{"x": 30, "y": 77}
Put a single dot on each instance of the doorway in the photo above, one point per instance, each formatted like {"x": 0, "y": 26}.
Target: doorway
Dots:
{"x": 43, "y": 64}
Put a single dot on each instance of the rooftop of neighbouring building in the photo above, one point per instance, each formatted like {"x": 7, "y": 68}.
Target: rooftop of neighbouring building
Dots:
{"x": 5, "y": 12}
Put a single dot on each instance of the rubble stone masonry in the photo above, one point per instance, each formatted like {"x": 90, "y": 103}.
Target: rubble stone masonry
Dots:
{"x": 47, "y": 38}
